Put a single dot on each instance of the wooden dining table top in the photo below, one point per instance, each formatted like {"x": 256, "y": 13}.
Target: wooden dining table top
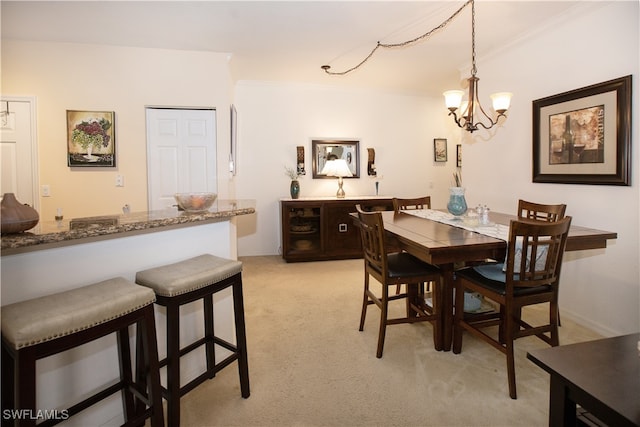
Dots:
{"x": 440, "y": 243}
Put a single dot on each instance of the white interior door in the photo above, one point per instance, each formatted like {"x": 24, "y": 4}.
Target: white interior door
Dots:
{"x": 181, "y": 153}
{"x": 18, "y": 150}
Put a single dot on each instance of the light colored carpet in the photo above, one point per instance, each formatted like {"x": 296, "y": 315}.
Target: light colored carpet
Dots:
{"x": 310, "y": 366}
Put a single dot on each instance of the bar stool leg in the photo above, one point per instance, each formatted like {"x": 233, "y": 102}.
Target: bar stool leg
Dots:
{"x": 173, "y": 364}
{"x": 241, "y": 337}
{"x": 25, "y": 384}
{"x": 150, "y": 348}
{"x": 124, "y": 354}
{"x": 8, "y": 383}
{"x": 209, "y": 336}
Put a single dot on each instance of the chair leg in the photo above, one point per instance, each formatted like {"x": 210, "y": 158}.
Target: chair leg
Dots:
{"x": 147, "y": 361}
{"x": 458, "y": 318}
{"x": 210, "y": 350}
{"x": 436, "y": 292}
{"x": 241, "y": 338}
{"x": 173, "y": 364}
{"x": 384, "y": 312}
{"x": 126, "y": 376}
{"x": 365, "y": 301}
{"x": 25, "y": 383}
{"x": 8, "y": 375}
{"x": 554, "y": 320}
{"x": 509, "y": 329}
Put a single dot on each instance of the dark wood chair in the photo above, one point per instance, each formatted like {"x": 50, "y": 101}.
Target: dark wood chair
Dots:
{"x": 540, "y": 212}
{"x": 416, "y": 203}
{"x": 391, "y": 269}
{"x": 408, "y": 204}
{"x": 534, "y": 258}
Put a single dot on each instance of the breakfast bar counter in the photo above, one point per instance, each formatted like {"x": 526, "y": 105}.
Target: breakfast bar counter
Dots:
{"x": 59, "y": 256}
{"x": 50, "y": 234}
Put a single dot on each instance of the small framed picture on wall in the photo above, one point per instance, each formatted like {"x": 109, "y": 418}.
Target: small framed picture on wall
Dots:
{"x": 459, "y": 155}
{"x": 440, "y": 150}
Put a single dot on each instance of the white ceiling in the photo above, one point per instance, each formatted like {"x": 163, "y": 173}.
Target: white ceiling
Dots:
{"x": 291, "y": 40}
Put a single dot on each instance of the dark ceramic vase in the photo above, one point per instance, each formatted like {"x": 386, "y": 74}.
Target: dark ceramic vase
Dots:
{"x": 15, "y": 216}
{"x": 295, "y": 189}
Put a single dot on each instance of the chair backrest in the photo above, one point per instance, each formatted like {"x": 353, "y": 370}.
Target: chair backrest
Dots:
{"x": 535, "y": 251}
{"x": 417, "y": 203}
{"x": 540, "y": 212}
{"x": 373, "y": 244}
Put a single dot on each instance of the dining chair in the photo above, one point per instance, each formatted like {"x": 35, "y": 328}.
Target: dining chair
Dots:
{"x": 409, "y": 204}
{"x": 394, "y": 268}
{"x": 415, "y": 203}
{"x": 534, "y": 259}
{"x": 540, "y": 212}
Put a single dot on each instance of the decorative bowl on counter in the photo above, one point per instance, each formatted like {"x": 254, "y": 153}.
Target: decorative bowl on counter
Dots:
{"x": 195, "y": 202}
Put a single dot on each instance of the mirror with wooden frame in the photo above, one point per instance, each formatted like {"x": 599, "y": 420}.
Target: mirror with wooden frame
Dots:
{"x": 328, "y": 149}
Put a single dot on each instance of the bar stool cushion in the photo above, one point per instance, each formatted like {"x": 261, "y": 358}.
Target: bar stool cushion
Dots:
{"x": 188, "y": 275}
{"x": 46, "y": 318}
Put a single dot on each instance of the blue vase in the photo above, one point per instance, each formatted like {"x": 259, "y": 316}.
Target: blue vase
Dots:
{"x": 294, "y": 189}
{"x": 457, "y": 204}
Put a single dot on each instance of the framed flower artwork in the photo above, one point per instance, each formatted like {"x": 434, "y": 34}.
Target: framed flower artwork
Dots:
{"x": 91, "y": 139}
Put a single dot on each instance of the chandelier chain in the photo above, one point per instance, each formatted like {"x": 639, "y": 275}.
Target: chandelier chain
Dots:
{"x": 327, "y": 68}
{"x": 473, "y": 39}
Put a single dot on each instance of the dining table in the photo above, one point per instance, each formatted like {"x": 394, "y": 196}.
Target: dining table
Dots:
{"x": 456, "y": 242}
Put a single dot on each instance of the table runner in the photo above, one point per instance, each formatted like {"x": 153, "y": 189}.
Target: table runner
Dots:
{"x": 498, "y": 231}
{"x": 493, "y": 271}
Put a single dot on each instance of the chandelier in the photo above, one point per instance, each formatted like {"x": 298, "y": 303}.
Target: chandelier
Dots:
{"x": 470, "y": 109}
{"x": 463, "y": 113}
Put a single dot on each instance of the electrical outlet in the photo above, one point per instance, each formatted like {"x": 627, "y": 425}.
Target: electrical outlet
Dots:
{"x": 119, "y": 181}
{"x": 46, "y": 190}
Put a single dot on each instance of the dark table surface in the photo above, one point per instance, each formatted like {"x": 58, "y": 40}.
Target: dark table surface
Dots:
{"x": 602, "y": 376}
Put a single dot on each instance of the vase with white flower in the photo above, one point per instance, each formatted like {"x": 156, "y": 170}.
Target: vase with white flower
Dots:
{"x": 294, "y": 188}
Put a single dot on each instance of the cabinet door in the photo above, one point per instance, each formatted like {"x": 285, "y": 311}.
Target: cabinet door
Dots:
{"x": 301, "y": 230}
{"x": 342, "y": 235}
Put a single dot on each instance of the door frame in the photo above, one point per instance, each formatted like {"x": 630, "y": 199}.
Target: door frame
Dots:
{"x": 35, "y": 172}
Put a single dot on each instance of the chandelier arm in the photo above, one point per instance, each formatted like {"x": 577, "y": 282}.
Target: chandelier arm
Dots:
{"x": 456, "y": 119}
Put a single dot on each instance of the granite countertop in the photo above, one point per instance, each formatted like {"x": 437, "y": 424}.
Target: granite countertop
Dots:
{"x": 59, "y": 233}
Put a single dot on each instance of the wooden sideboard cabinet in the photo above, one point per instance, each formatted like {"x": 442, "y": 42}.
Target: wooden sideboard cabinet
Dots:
{"x": 322, "y": 229}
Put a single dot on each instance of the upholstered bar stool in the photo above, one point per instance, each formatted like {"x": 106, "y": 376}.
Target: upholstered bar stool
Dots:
{"x": 42, "y": 327}
{"x": 184, "y": 282}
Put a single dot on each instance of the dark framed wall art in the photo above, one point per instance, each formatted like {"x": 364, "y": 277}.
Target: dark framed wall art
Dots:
{"x": 584, "y": 136}
{"x": 440, "y": 150}
{"x": 91, "y": 139}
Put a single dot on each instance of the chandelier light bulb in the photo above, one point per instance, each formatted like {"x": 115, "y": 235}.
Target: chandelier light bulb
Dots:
{"x": 453, "y": 99}
{"x": 501, "y": 101}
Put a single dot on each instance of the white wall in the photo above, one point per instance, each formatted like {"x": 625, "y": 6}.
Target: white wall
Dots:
{"x": 601, "y": 288}
{"x": 275, "y": 118}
